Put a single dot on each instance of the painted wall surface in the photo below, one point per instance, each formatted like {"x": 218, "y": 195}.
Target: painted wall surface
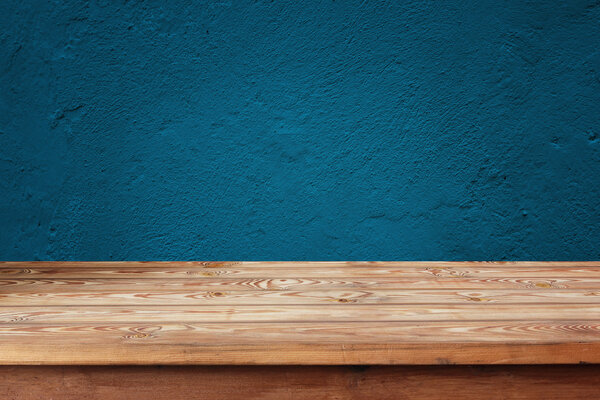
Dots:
{"x": 294, "y": 130}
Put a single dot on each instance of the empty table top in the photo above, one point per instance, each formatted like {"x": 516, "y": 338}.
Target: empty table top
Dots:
{"x": 299, "y": 312}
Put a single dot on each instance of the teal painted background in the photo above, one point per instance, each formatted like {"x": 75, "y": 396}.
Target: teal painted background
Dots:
{"x": 290, "y": 130}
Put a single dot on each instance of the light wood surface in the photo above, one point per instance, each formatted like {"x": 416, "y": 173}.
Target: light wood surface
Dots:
{"x": 299, "y": 313}
{"x": 557, "y": 382}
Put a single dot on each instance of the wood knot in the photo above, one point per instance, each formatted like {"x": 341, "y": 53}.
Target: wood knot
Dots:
{"x": 545, "y": 284}
{"x": 16, "y": 271}
{"x": 434, "y": 271}
{"x": 137, "y": 336}
{"x": 446, "y": 272}
{"x": 477, "y": 299}
{"x": 142, "y": 333}
{"x": 206, "y": 273}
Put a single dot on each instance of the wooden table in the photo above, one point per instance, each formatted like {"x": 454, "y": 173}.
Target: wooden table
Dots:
{"x": 302, "y": 330}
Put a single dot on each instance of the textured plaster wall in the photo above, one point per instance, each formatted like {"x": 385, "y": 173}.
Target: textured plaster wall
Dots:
{"x": 300, "y": 130}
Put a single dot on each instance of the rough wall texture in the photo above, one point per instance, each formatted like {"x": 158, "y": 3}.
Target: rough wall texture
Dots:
{"x": 300, "y": 130}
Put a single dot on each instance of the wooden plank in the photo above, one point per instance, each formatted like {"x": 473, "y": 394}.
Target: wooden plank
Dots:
{"x": 79, "y": 296}
{"x": 231, "y": 284}
{"x": 299, "y": 383}
{"x": 103, "y": 314}
{"x": 133, "y": 351}
{"x": 207, "y": 333}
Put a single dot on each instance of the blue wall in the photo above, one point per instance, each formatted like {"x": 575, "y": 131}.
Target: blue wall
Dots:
{"x": 300, "y": 130}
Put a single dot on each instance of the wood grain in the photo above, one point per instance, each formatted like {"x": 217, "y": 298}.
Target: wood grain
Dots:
{"x": 293, "y": 313}
{"x": 299, "y": 383}
{"x": 135, "y": 350}
{"x": 230, "y": 284}
{"x": 65, "y": 296}
{"x": 299, "y": 313}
